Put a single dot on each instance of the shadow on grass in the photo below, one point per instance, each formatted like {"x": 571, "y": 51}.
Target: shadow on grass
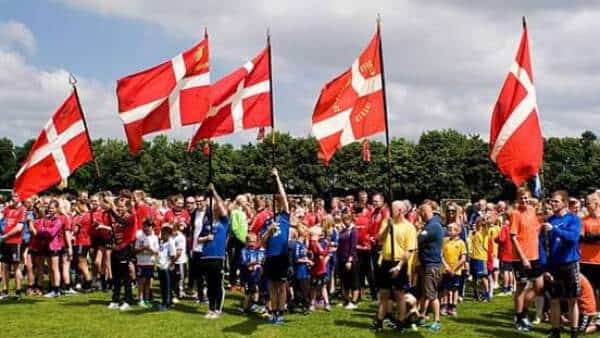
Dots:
{"x": 14, "y": 301}
{"x": 249, "y": 326}
{"x": 502, "y": 333}
{"x": 492, "y": 322}
{"x": 367, "y": 328}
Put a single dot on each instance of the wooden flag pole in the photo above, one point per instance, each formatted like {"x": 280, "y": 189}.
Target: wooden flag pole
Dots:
{"x": 73, "y": 82}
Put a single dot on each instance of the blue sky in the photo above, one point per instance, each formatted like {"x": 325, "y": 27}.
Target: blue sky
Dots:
{"x": 445, "y": 61}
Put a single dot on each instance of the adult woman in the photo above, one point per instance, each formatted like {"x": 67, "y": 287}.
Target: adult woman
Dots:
{"x": 82, "y": 224}
{"x": 50, "y": 232}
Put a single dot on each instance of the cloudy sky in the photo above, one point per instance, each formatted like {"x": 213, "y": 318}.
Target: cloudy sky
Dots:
{"x": 445, "y": 60}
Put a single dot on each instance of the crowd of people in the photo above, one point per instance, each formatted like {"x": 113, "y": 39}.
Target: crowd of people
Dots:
{"x": 416, "y": 262}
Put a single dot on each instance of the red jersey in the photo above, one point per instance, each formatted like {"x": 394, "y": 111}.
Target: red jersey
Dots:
{"x": 122, "y": 230}
{"x": 259, "y": 220}
{"x": 12, "y": 217}
{"x": 505, "y": 249}
{"x": 377, "y": 217}
{"x": 67, "y": 226}
{"x": 320, "y": 254}
{"x": 310, "y": 219}
{"x": 100, "y": 217}
{"x": 142, "y": 212}
{"x": 361, "y": 222}
{"x": 175, "y": 217}
{"x": 83, "y": 227}
{"x": 36, "y": 243}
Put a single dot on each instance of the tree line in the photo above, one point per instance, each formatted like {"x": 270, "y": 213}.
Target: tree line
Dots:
{"x": 440, "y": 164}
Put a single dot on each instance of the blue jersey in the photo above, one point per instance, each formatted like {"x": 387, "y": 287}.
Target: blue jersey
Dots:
{"x": 26, "y": 233}
{"x": 277, "y": 244}
{"x": 564, "y": 239}
{"x": 334, "y": 239}
{"x": 217, "y": 247}
{"x": 299, "y": 251}
{"x": 251, "y": 257}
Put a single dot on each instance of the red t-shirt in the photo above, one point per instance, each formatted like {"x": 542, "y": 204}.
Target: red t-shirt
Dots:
{"x": 177, "y": 217}
{"x": 310, "y": 219}
{"x": 361, "y": 222}
{"x": 378, "y": 215}
{"x": 100, "y": 217}
{"x": 505, "y": 249}
{"x": 142, "y": 212}
{"x": 67, "y": 226}
{"x": 37, "y": 244}
{"x": 320, "y": 254}
{"x": 122, "y": 231}
{"x": 259, "y": 220}
{"x": 83, "y": 226}
{"x": 12, "y": 217}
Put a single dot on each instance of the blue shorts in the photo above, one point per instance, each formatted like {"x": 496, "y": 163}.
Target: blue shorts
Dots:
{"x": 478, "y": 268}
{"x": 145, "y": 271}
{"x": 451, "y": 282}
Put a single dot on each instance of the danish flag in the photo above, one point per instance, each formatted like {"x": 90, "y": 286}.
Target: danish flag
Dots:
{"x": 168, "y": 96}
{"x": 350, "y": 107}
{"x": 516, "y": 144}
{"x": 62, "y": 146}
{"x": 240, "y": 100}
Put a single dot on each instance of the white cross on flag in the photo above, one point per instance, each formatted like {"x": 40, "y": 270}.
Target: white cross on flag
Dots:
{"x": 350, "y": 107}
{"x": 170, "y": 95}
{"x": 62, "y": 146}
{"x": 516, "y": 144}
{"x": 240, "y": 100}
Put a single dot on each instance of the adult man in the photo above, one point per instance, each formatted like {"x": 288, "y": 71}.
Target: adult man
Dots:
{"x": 590, "y": 245}
{"x": 525, "y": 232}
{"x": 379, "y": 215}
{"x": 10, "y": 241}
{"x": 430, "y": 240}
{"x": 398, "y": 237}
{"x": 563, "y": 229}
{"x": 275, "y": 240}
{"x": 199, "y": 218}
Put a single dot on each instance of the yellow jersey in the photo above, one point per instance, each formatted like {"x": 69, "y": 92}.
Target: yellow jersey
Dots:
{"x": 452, "y": 251}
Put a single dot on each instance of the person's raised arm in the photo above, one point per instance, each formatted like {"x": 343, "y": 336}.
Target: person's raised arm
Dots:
{"x": 285, "y": 207}
{"x": 218, "y": 200}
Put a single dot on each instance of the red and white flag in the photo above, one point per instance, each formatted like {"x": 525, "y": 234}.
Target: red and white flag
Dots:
{"x": 62, "y": 146}
{"x": 516, "y": 144}
{"x": 239, "y": 101}
{"x": 168, "y": 96}
{"x": 350, "y": 107}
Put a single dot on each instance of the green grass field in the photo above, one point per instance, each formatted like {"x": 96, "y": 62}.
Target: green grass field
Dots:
{"x": 87, "y": 316}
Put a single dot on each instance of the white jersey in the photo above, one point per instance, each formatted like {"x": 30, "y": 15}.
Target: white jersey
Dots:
{"x": 149, "y": 242}
{"x": 180, "y": 244}
{"x": 165, "y": 255}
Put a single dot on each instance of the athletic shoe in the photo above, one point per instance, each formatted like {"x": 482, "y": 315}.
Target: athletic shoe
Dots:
{"x": 452, "y": 313}
{"x": 113, "y": 306}
{"x": 3, "y": 296}
{"x": 421, "y": 322}
{"x": 279, "y": 320}
{"x": 525, "y": 321}
{"x": 327, "y": 308}
{"x": 209, "y": 315}
{"x": 125, "y": 307}
{"x": 444, "y": 311}
{"x": 70, "y": 291}
{"x": 522, "y": 327}
{"x": 175, "y": 300}
{"x": 536, "y": 321}
{"x": 434, "y": 327}
{"x": 142, "y": 304}
{"x": 311, "y": 308}
{"x": 51, "y": 294}
{"x": 350, "y": 306}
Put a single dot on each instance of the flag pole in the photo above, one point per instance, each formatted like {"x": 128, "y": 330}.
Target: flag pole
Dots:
{"x": 385, "y": 112}
{"x": 210, "y": 181}
{"x": 73, "y": 82}
{"x": 271, "y": 100}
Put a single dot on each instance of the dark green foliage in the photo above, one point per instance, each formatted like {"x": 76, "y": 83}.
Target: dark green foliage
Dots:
{"x": 442, "y": 164}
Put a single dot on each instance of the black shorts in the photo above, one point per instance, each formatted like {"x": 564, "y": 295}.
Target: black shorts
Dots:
{"x": 451, "y": 282}
{"x": 98, "y": 242}
{"x": 506, "y": 266}
{"x": 276, "y": 268}
{"x": 350, "y": 278}
{"x": 319, "y": 281}
{"x": 145, "y": 272}
{"x": 523, "y": 275}
{"x": 55, "y": 253}
{"x": 592, "y": 272}
{"x": 10, "y": 253}
{"x": 386, "y": 281}
{"x": 565, "y": 282}
{"x": 81, "y": 250}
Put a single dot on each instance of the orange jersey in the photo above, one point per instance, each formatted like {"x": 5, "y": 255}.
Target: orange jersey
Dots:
{"x": 590, "y": 252}
{"x": 525, "y": 225}
{"x": 586, "y": 300}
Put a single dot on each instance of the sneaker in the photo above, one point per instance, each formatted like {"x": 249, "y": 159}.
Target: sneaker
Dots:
{"x": 175, "y": 300}
{"x": 452, "y": 313}
{"x": 216, "y": 315}
{"x": 51, "y": 294}
{"x": 350, "y": 306}
{"x": 125, "y": 307}
{"x": 421, "y": 322}
{"x": 279, "y": 320}
{"x": 434, "y": 327}
{"x": 142, "y": 304}
{"x": 3, "y": 296}
{"x": 112, "y": 306}
{"x": 311, "y": 308}
{"x": 209, "y": 315}
{"x": 444, "y": 311}
{"x": 536, "y": 321}
{"x": 327, "y": 308}
{"x": 525, "y": 321}
{"x": 70, "y": 291}
{"x": 521, "y": 327}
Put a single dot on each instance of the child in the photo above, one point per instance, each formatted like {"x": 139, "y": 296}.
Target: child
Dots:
{"x": 320, "y": 253}
{"x": 181, "y": 259}
{"x": 478, "y": 244}
{"x": 251, "y": 257}
{"x": 166, "y": 259}
{"x": 454, "y": 253}
{"x": 301, "y": 264}
{"x": 146, "y": 248}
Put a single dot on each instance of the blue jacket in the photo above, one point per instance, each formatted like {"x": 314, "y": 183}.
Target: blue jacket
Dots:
{"x": 217, "y": 247}
{"x": 564, "y": 239}
{"x": 430, "y": 242}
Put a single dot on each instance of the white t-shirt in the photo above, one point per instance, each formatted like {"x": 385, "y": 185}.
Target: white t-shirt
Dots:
{"x": 166, "y": 252}
{"x": 198, "y": 224}
{"x": 149, "y": 241}
{"x": 180, "y": 244}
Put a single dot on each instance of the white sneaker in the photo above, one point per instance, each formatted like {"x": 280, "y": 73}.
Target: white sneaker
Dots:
{"x": 216, "y": 315}
{"x": 113, "y": 306}
{"x": 209, "y": 315}
{"x": 3, "y": 296}
{"x": 70, "y": 292}
{"x": 350, "y": 306}
{"x": 51, "y": 294}
{"x": 125, "y": 307}
{"x": 175, "y": 300}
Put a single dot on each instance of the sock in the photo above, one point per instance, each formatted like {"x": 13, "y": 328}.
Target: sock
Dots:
{"x": 574, "y": 332}
{"x": 56, "y": 289}
{"x": 539, "y": 306}
{"x": 520, "y": 316}
{"x": 18, "y": 292}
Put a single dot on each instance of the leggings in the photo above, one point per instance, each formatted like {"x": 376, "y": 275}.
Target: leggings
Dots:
{"x": 303, "y": 292}
{"x": 212, "y": 269}
{"x": 234, "y": 252}
{"x": 365, "y": 270}
{"x": 120, "y": 269}
{"x": 165, "y": 286}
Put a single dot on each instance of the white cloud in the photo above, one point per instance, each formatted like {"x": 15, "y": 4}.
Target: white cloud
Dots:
{"x": 14, "y": 34}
